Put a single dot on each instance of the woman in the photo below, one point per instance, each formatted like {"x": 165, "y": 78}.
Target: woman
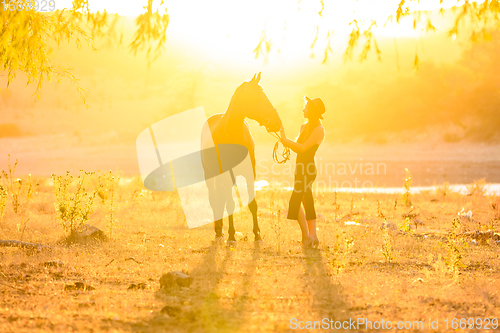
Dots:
{"x": 311, "y": 135}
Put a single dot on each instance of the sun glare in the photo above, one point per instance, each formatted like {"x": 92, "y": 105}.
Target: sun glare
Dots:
{"x": 229, "y": 31}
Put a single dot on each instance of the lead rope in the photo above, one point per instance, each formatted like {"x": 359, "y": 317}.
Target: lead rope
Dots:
{"x": 286, "y": 151}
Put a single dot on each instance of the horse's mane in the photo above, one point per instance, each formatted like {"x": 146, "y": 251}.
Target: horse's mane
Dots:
{"x": 236, "y": 95}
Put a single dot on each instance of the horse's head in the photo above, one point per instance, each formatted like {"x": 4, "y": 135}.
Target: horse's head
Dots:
{"x": 258, "y": 107}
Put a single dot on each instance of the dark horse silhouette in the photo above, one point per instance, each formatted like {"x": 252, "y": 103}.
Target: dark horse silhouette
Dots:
{"x": 233, "y": 141}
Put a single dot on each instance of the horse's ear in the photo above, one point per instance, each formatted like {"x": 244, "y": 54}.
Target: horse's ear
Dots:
{"x": 253, "y": 79}
{"x": 257, "y": 80}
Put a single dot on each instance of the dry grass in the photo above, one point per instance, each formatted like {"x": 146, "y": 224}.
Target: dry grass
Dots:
{"x": 247, "y": 288}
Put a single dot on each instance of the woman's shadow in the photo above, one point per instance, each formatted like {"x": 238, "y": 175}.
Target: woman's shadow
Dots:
{"x": 327, "y": 298}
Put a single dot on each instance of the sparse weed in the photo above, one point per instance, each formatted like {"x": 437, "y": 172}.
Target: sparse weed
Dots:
{"x": 477, "y": 188}
{"x": 387, "y": 245}
{"x": 439, "y": 265}
{"x": 495, "y": 206}
{"x": 406, "y": 226}
{"x": 21, "y": 192}
{"x": 454, "y": 259}
{"x": 336, "y": 206}
{"x": 106, "y": 185}
{"x": 341, "y": 250}
{"x": 443, "y": 190}
{"x": 407, "y": 194}
{"x": 3, "y": 201}
{"x": 73, "y": 209}
{"x": 352, "y": 205}
{"x": 276, "y": 226}
{"x": 380, "y": 213}
{"x": 276, "y": 222}
{"x": 21, "y": 227}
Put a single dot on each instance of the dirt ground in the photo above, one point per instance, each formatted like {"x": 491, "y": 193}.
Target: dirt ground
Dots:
{"x": 411, "y": 270}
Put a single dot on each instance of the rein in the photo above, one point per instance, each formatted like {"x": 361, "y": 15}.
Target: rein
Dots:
{"x": 286, "y": 151}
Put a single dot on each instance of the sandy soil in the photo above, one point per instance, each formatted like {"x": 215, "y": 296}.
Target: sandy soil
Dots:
{"x": 359, "y": 271}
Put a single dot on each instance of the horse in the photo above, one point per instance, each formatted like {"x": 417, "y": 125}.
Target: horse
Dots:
{"x": 228, "y": 131}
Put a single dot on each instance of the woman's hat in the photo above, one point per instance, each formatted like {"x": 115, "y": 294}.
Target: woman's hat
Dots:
{"x": 318, "y": 107}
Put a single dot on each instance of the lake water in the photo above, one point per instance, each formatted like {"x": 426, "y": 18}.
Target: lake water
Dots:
{"x": 491, "y": 189}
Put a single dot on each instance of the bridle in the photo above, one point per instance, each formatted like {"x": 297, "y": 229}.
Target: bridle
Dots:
{"x": 285, "y": 154}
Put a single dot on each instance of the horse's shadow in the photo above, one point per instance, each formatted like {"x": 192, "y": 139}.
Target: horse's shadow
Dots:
{"x": 214, "y": 315}
{"x": 210, "y": 310}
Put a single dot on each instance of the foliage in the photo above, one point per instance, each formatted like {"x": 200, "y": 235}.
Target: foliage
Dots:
{"x": 406, "y": 226}
{"x": 407, "y": 186}
{"x": 336, "y": 206}
{"x": 276, "y": 221}
{"x": 477, "y": 188}
{"x": 340, "y": 252}
{"x": 443, "y": 190}
{"x": 73, "y": 209}
{"x": 3, "y": 201}
{"x": 27, "y": 37}
{"x": 387, "y": 244}
{"x": 151, "y": 27}
{"x": 21, "y": 192}
{"x": 454, "y": 259}
{"x": 106, "y": 191}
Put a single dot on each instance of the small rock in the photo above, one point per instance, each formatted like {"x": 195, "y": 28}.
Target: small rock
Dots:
{"x": 175, "y": 278}
{"x": 85, "y": 234}
{"x": 172, "y": 311}
{"x": 52, "y": 263}
{"x": 138, "y": 286}
{"x": 78, "y": 286}
{"x": 389, "y": 225}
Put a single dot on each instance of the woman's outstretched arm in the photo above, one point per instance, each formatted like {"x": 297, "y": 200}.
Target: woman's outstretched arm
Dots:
{"x": 316, "y": 136}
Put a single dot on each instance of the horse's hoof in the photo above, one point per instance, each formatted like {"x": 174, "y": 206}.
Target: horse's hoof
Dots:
{"x": 219, "y": 240}
{"x": 259, "y": 243}
{"x": 231, "y": 243}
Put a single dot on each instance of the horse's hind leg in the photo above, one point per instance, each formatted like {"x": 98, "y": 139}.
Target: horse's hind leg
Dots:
{"x": 253, "y": 209}
{"x": 230, "y": 205}
{"x": 217, "y": 206}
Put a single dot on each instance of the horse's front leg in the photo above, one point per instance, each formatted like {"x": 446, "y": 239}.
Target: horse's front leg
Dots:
{"x": 230, "y": 206}
{"x": 217, "y": 206}
{"x": 253, "y": 209}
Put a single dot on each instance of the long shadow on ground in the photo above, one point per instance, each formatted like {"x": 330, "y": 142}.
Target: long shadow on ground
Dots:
{"x": 210, "y": 310}
{"x": 327, "y": 300}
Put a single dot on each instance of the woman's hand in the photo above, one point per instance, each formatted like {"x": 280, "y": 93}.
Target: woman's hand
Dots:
{"x": 282, "y": 132}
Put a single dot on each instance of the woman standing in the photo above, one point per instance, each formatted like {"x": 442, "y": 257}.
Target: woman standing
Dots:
{"x": 311, "y": 135}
